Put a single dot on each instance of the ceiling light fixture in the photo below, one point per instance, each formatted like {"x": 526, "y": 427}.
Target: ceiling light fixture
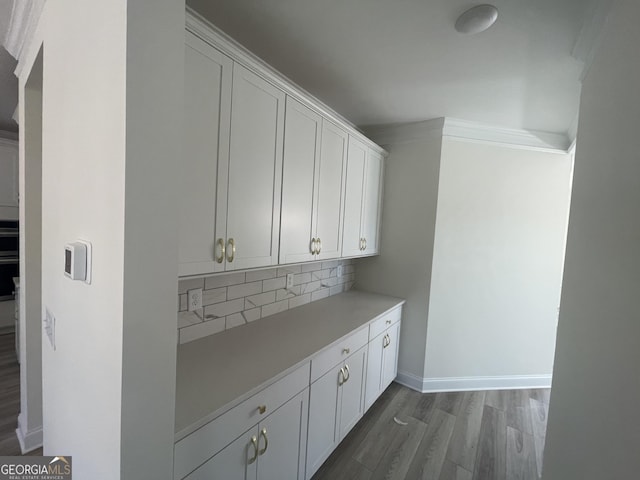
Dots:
{"x": 477, "y": 19}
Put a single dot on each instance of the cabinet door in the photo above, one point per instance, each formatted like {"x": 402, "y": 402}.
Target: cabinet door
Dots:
{"x": 323, "y": 408}
{"x": 372, "y": 203}
{"x": 255, "y": 171}
{"x": 282, "y": 441}
{"x": 390, "y": 357}
{"x": 231, "y": 463}
{"x": 207, "y": 114}
{"x": 356, "y": 163}
{"x": 374, "y": 370}
{"x": 330, "y": 190}
{"x": 301, "y": 154}
{"x": 353, "y": 392}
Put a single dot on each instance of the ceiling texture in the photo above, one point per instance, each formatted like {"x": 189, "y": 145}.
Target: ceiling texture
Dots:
{"x": 8, "y": 81}
{"x": 380, "y": 62}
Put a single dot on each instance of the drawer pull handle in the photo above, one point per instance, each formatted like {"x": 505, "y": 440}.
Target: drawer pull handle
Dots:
{"x": 263, "y": 433}
{"x": 346, "y": 351}
{"x": 231, "y": 248}
{"x": 262, "y": 409}
{"x": 220, "y": 244}
{"x": 388, "y": 322}
{"x": 346, "y": 369}
{"x": 341, "y": 376}
{"x": 254, "y": 442}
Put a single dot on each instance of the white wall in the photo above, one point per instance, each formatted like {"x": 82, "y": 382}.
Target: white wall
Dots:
{"x": 497, "y": 265}
{"x": 408, "y": 221}
{"x": 112, "y": 87}
{"x": 593, "y": 418}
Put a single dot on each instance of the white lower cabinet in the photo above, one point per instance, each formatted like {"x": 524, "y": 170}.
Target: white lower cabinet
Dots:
{"x": 274, "y": 449}
{"x": 288, "y": 429}
{"x": 335, "y": 406}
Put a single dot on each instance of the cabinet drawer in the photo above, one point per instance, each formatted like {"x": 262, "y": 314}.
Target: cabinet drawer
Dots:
{"x": 195, "y": 449}
{"x": 332, "y": 356}
{"x": 384, "y": 322}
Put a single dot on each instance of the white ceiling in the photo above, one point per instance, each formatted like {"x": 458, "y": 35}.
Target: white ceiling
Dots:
{"x": 8, "y": 81}
{"x": 395, "y": 61}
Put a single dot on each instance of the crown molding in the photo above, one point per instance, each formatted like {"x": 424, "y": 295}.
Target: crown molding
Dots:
{"x": 203, "y": 28}
{"x": 22, "y": 25}
{"x": 469, "y": 131}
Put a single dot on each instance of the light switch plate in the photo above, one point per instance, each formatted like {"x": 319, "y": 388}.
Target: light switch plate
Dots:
{"x": 194, "y": 299}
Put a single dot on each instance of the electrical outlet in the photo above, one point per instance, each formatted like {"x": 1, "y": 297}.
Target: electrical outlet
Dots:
{"x": 194, "y": 299}
{"x": 289, "y": 280}
{"x": 339, "y": 272}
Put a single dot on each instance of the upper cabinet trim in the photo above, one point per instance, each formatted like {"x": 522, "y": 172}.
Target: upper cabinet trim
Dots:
{"x": 201, "y": 27}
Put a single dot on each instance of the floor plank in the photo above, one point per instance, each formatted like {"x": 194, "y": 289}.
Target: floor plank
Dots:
{"x": 449, "y": 402}
{"x": 539, "y": 413}
{"x": 464, "y": 442}
{"x": 521, "y": 456}
{"x": 451, "y": 471}
{"x": 402, "y": 449}
{"x": 491, "y": 459}
{"x": 430, "y": 456}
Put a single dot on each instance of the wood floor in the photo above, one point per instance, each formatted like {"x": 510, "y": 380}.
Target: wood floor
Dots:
{"x": 9, "y": 398}
{"x": 494, "y": 435}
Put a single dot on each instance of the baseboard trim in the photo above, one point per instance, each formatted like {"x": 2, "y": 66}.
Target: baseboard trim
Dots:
{"x": 461, "y": 384}
{"x": 29, "y": 440}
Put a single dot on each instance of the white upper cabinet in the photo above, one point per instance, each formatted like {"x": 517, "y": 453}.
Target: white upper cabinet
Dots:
{"x": 207, "y": 116}
{"x": 362, "y": 200}
{"x": 301, "y": 156}
{"x": 254, "y": 173}
{"x": 331, "y": 174}
{"x": 313, "y": 185}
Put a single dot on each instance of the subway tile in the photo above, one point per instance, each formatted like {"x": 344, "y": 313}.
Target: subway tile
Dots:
{"x": 330, "y": 264}
{"x": 301, "y": 278}
{"x": 216, "y": 295}
{"x": 311, "y": 286}
{"x": 274, "y": 284}
{"x": 301, "y": 300}
{"x": 224, "y": 280}
{"x": 189, "y": 283}
{"x": 244, "y": 290}
{"x": 182, "y": 302}
{"x": 204, "y": 329}
{"x": 287, "y": 292}
{"x": 348, "y": 269}
{"x": 336, "y": 289}
{"x": 223, "y": 309}
{"x": 251, "y": 315}
{"x": 274, "y": 308}
{"x": 330, "y": 282}
{"x": 234, "y": 320}
{"x": 284, "y": 271}
{"x": 188, "y": 318}
{"x": 310, "y": 267}
{"x": 259, "y": 300}
{"x": 319, "y": 294}
{"x": 321, "y": 274}
{"x": 261, "y": 274}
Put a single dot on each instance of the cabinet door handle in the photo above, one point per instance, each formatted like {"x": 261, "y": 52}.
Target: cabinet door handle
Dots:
{"x": 346, "y": 369}
{"x": 231, "y": 247}
{"x": 365, "y": 244}
{"x": 319, "y": 249}
{"x": 388, "y": 322}
{"x": 221, "y": 249}
{"x": 345, "y": 351}
{"x": 263, "y": 433}
{"x": 361, "y": 243}
{"x": 254, "y": 442}
{"x": 387, "y": 341}
{"x": 341, "y": 379}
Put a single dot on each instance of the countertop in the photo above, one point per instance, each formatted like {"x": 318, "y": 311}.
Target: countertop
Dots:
{"x": 216, "y": 373}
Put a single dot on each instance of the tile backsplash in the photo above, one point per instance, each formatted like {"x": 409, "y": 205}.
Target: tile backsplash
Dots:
{"x": 233, "y": 299}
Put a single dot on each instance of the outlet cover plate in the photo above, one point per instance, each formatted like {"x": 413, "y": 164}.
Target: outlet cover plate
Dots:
{"x": 289, "y": 280}
{"x": 194, "y": 299}
{"x": 339, "y": 271}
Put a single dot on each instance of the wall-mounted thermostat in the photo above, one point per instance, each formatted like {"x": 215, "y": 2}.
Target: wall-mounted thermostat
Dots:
{"x": 77, "y": 261}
